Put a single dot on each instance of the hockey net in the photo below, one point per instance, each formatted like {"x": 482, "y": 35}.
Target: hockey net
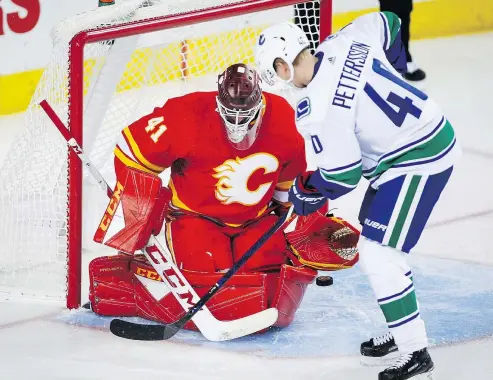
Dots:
{"x": 109, "y": 67}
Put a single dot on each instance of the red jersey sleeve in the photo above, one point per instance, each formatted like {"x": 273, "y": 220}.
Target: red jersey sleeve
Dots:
{"x": 156, "y": 140}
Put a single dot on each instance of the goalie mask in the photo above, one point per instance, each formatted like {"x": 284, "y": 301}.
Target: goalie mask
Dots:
{"x": 240, "y": 104}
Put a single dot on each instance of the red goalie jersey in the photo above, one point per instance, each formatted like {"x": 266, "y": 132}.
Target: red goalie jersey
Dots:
{"x": 209, "y": 175}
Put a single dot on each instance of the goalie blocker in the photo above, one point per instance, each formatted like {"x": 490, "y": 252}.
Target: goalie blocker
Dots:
{"x": 276, "y": 276}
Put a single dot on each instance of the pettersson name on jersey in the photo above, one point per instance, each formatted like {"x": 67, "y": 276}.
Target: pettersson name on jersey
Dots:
{"x": 350, "y": 75}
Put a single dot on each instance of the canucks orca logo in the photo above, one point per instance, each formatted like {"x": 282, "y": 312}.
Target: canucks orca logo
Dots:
{"x": 303, "y": 108}
{"x": 261, "y": 39}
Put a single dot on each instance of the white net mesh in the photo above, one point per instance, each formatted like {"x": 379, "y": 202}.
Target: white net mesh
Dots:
{"x": 123, "y": 79}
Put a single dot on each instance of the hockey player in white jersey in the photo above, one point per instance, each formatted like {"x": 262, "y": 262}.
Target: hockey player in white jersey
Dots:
{"x": 364, "y": 120}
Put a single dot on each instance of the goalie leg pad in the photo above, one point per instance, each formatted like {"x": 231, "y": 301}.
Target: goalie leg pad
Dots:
{"x": 291, "y": 286}
{"x": 123, "y": 285}
{"x": 126, "y": 286}
{"x": 111, "y": 287}
{"x": 243, "y": 295}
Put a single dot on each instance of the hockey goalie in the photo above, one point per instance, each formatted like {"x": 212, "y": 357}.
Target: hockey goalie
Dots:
{"x": 233, "y": 155}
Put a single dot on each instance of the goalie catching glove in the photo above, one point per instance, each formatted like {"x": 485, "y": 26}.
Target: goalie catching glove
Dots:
{"x": 324, "y": 242}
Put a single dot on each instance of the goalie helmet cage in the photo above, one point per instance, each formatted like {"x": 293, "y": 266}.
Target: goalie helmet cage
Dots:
{"x": 109, "y": 67}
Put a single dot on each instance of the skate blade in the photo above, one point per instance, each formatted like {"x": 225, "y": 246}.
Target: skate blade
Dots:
{"x": 384, "y": 361}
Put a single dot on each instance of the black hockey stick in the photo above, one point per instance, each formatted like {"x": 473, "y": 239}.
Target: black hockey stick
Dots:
{"x": 137, "y": 331}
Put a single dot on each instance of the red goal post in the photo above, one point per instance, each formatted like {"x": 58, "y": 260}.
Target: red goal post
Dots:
{"x": 94, "y": 53}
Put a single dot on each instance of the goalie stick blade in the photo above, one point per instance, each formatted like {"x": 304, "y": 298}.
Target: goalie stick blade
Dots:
{"x": 135, "y": 331}
{"x": 228, "y": 330}
{"x": 217, "y": 331}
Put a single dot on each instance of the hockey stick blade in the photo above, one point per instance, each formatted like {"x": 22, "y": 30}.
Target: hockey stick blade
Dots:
{"x": 237, "y": 328}
{"x": 135, "y": 331}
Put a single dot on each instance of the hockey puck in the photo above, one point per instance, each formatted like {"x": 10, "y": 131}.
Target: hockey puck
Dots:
{"x": 324, "y": 281}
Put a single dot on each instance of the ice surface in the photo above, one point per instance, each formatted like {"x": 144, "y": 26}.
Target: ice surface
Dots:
{"x": 452, "y": 265}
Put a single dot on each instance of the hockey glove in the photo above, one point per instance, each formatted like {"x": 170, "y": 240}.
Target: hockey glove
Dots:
{"x": 305, "y": 199}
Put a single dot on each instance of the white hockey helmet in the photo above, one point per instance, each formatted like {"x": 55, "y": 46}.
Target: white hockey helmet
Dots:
{"x": 284, "y": 40}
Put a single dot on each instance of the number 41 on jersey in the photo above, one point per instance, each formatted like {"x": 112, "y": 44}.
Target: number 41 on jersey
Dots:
{"x": 151, "y": 127}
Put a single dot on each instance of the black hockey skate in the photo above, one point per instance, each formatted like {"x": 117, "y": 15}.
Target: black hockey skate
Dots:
{"x": 414, "y": 73}
{"x": 415, "y": 76}
{"x": 380, "y": 350}
{"x": 417, "y": 365}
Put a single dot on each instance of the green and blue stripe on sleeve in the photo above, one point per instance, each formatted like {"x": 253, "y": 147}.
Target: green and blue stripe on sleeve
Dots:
{"x": 333, "y": 183}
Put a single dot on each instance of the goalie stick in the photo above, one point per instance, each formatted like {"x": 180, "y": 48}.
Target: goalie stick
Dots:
{"x": 160, "y": 258}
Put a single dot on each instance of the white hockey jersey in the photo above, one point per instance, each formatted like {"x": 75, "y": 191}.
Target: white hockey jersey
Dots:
{"x": 363, "y": 119}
